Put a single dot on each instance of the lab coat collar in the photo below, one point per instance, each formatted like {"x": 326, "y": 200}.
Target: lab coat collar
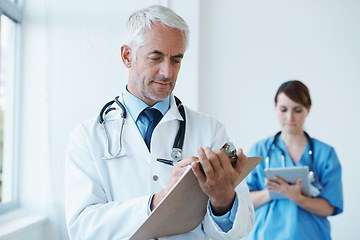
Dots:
{"x": 131, "y": 133}
{"x": 171, "y": 114}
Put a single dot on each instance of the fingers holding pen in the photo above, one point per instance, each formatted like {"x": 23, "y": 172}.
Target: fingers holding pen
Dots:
{"x": 179, "y": 169}
{"x": 185, "y": 162}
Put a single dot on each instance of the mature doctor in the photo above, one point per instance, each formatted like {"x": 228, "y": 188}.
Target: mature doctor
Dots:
{"x": 110, "y": 199}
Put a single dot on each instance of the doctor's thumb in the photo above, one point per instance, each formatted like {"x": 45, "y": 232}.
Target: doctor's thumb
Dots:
{"x": 240, "y": 154}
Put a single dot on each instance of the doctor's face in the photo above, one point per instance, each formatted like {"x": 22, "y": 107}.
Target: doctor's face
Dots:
{"x": 152, "y": 77}
{"x": 291, "y": 115}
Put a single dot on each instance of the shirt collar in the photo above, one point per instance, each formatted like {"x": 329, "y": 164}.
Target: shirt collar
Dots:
{"x": 135, "y": 106}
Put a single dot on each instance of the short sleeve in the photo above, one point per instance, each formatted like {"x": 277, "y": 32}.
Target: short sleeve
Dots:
{"x": 331, "y": 181}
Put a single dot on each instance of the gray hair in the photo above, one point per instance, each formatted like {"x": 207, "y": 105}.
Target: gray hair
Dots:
{"x": 141, "y": 21}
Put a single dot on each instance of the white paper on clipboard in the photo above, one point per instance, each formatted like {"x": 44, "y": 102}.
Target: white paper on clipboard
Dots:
{"x": 290, "y": 174}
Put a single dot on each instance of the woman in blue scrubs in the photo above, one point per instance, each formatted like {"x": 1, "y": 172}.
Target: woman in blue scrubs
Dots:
{"x": 295, "y": 216}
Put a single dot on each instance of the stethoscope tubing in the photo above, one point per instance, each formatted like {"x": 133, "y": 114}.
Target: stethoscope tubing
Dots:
{"x": 273, "y": 143}
{"x": 178, "y": 142}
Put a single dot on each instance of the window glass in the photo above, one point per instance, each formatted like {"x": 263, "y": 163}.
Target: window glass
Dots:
{"x": 7, "y": 80}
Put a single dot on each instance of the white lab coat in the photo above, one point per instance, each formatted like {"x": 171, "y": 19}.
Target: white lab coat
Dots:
{"x": 108, "y": 199}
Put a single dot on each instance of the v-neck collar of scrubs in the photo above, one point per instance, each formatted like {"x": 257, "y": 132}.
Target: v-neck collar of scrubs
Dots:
{"x": 304, "y": 159}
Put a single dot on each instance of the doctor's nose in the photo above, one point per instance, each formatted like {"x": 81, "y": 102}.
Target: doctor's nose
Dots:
{"x": 290, "y": 115}
{"x": 166, "y": 70}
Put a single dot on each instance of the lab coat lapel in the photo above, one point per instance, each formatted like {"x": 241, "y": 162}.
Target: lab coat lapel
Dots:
{"x": 173, "y": 112}
{"x": 133, "y": 139}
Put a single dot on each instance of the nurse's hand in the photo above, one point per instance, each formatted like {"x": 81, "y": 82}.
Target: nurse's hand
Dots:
{"x": 178, "y": 170}
{"x": 318, "y": 206}
{"x": 217, "y": 177}
{"x": 280, "y": 186}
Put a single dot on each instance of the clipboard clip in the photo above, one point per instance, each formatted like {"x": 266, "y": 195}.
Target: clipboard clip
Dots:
{"x": 230, "y": 151}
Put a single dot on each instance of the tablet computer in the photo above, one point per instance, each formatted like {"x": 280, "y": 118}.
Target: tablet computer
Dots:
{"x": 290, "y": 174}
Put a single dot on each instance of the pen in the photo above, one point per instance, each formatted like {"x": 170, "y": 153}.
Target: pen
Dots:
{"x": 168, "y": 162}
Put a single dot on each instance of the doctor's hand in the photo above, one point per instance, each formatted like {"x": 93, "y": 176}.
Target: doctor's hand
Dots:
{"x": 280, "y": 186}
{"x": 217, "y": 177}
{"x": 178, "y": 170}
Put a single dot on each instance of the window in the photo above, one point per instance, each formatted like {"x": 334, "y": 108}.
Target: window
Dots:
{"x": 10, "y": 20}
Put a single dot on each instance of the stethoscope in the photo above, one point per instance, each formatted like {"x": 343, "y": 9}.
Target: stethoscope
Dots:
{"x": 176, "y": 153}
{"x": 313, "y": 179}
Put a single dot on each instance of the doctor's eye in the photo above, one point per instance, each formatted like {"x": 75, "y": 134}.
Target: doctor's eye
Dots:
{"x": 155, "y": 59}
{"x": 155, "y": 56}
{"x": 298, "y": 110}
{"x": 176, "y": 60}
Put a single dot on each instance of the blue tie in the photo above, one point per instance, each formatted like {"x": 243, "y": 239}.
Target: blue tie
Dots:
{"x": 154, "y": 117}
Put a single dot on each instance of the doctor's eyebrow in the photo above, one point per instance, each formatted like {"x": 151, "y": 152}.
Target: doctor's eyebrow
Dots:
{"x": 180, "y": 55}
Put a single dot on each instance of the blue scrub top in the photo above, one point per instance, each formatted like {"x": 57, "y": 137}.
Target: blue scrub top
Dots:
{"x": 283, "y": 219}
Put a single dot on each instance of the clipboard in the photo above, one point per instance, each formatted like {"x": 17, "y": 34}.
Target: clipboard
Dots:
{"x": 290, "y": 174}
{"x": 183, "y": 208}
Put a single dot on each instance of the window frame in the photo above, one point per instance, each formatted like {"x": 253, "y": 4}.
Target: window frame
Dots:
{"x": 14, "y": 11}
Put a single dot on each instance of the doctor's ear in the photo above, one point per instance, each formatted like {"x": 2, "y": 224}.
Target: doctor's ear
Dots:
{"x": 126, "y": 55}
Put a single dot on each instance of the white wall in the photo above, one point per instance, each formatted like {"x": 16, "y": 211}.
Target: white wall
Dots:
{"x": 240, "y": 52}
{"x": 250, "y": 47}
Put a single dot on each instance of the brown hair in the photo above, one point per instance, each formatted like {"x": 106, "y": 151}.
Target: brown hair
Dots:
{"x": 296, "y": 91}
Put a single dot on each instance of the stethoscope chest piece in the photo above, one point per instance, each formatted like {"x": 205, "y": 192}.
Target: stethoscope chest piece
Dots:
{"x": 176, "y": 154}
